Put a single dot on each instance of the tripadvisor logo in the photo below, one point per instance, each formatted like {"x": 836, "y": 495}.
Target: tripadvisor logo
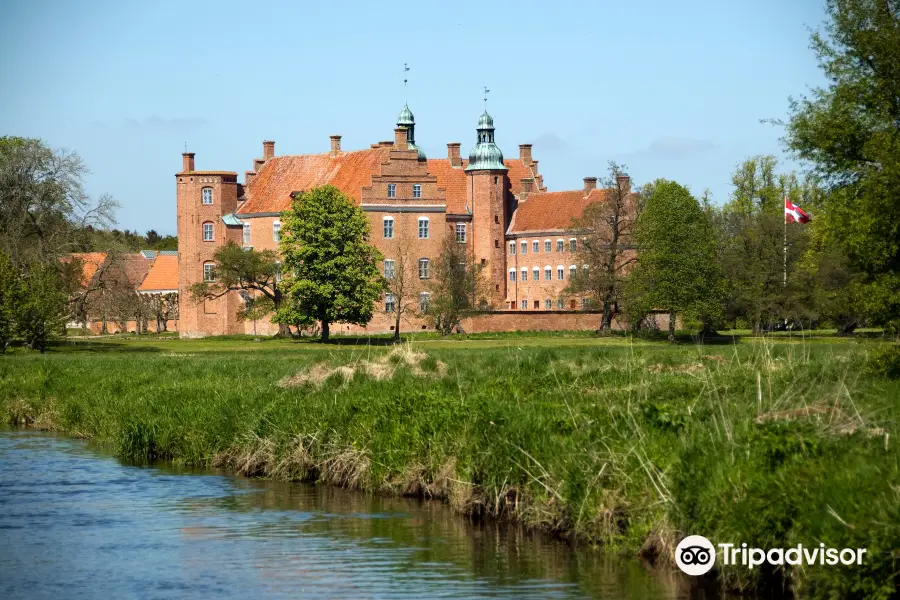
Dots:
{"x": 696, "y": 555}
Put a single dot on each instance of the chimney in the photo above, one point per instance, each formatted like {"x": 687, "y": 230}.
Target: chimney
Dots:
{"x": 248, "y": 177}
{"x": 187, "y": 162}
{"x": 335, "y": 145}
{"x": 453, "y": 154}
{"x": 525, "y": 154}
{"x": 534, "y": 166}
{"x": 527, "y": 186}
{"x": 400, "y": 138}
{"x": 590, "y": 183}
{"x": 258, "y": 163}
{"x": 624, "y": 182}
{"x": 540, "y": 182}
{"x": 268, "y": 150}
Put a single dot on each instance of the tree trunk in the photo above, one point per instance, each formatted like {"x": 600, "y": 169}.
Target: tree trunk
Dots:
{"x": 397, "y": 327}
{"x": 606, "y": 320}
{"x": 325, "y": 331}
{"x": 671, "y": 326}
{"x": 847, "y": 328}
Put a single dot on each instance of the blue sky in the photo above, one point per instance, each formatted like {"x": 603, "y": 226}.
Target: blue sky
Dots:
{"x": 670, "y": 89}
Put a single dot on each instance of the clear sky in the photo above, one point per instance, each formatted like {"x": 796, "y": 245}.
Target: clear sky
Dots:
{"x": 670, "y": 89}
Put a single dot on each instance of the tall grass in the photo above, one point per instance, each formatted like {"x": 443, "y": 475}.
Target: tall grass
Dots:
{"x": 630, "y": 446}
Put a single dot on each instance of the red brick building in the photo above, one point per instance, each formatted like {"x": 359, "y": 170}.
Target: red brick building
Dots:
{"x": 498, "y": 207}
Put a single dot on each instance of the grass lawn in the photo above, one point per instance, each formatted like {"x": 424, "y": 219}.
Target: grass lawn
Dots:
{"x": 618, "y": 441}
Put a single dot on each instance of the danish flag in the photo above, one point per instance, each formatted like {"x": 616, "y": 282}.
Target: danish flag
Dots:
{"x": 794, "y": 214}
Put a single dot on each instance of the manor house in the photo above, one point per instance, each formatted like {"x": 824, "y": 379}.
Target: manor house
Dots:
{"x": 499, "y": 208}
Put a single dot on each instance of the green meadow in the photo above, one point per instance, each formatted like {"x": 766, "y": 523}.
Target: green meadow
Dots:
{"x": 618, "y": 442}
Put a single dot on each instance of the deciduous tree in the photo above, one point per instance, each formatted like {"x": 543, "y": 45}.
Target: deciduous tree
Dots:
{"x": 456, "y": 287}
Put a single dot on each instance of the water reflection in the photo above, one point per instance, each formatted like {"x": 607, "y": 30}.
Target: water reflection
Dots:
{"x": 78, "y": 523}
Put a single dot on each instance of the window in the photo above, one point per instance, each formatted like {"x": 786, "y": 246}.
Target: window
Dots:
{"x": 524, "y": 247}
{"x": 392, "y": 190}
{"x": 388, "y": 228}
{"x": 388, "y": 269}
{"x": 571, "y": 271}
{"x": 547, "y": 245}
{"x": 537, "y": 305}
{"x": 584, "y": 303}
{"x": 207, "y": 232}
{"x": 535, "y": 246}
{"x": 423, "y": 268}
{"x": 389, "y": 303}
{"x": 246, "y": 234}
{"x": 548, "y": 303}
{"x": 278, "y": 275}
{"x": 461, "y": 233}
{"x": 497, "y": 219}
{"x": 423, "y": 301}
{"x": 524, "y": 274}
{"x": 524, "y": 304}
{"x": 573, "y": 245}
{"x": 536, "y": 274}
{"x": 209, "y": 271}
{"x": 560, "y": 272}
{"x": 276, "y": 231}
{"x": 512, "y": 274}
{"x": 207, "y": 195}
{"x": 512, "y": 248}
{"x": 560, "y": 303}
{"x": 423, "y": 228}
{"x": 548, "y": 273}
{"x": 417, "y": 190}
{"x": 560, "y": 245}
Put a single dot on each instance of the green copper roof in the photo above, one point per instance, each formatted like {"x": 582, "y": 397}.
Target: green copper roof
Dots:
{"x": 486, "y": 156}
{"x": 406, "y": 117}
{"x": 230, "y": 219}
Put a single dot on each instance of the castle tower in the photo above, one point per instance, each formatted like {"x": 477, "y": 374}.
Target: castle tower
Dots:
{"x": 407, "y": 121}
{"x": 486, "y": 189}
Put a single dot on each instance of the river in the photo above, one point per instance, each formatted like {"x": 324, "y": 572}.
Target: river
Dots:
{"x": 77, "y": 523}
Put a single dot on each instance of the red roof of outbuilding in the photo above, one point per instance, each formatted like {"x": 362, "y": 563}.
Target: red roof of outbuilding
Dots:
{"x": 163, "y": 275}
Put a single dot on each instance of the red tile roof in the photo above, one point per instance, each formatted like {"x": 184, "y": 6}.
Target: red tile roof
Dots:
{"x": 552, "y": 211}
{"x": 454, "y": 180}
{"x": 90, "y": 262}
{"x": 270, "y": 190}
{"x": 163, "y": 275}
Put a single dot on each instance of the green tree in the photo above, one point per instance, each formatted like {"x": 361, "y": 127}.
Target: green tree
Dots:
{"x": 256, "y": 308}
{"x": 849, "y": 131}
{"x": 677, "y": 267}
{"x": 334, "y": 270}
{"x": 252, "y": 271}
{"x": 41, "y": 310}
{"x": 10, "y": 292}
{"x": 606, "y": 228}
{"x": 456, "y": 287}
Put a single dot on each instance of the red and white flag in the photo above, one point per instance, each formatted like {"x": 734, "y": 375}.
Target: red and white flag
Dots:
{"x": 793, "y": 213}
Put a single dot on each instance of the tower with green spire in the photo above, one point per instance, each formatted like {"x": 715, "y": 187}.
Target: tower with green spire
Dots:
{"x": 407, "y": 121}
{"x": 486, "y": 155}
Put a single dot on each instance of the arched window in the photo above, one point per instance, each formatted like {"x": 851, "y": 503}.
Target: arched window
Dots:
{"x": 560, "y": 303}
{"x": 535, "y": 246}
{"x": 572, "y": 271}
{"x": 560, "y": 245}
{"x": 206, "y": 194}
{"x": 536, "y": 274}
{"x": 389, "y": 303}
{"x": 423, "y": 268}
{"x": 209, "y": 271}
{"x": 524, "y": 304}
{"x": 560, "y": 272}
{"x": 548, "y": 273}
{"x": 276, "y": 231}
{"x": 208, "y": 234}
{"x": 512, "y": 274}
{"x": 512, "y": 248}
{"x": 548, "y": 304}
{"x": 423, "y": 301}
{"x": 523, "y": 247}
{"x": 524, "y": 274}
{"x": 573, "y": 245}
{"x": 246, "y": 234}
{"x": 547, "y": 246}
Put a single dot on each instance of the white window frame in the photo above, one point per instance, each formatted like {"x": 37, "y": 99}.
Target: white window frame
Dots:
{"x": 573, "y": 245}
{"x": 584, "y": 304}
{"x": 512, "y": 274}
{"x": 548, "y": 246}
{"x": 535, "y": 273}
{"x": 535, "y": 246}
{"x": 461, "y": 229}
{"x": 387, "y": 227}
{"x": 512, "y": 248}
{"x": 390, "y": 303}
{"x": 209, "y": 268}
{"x": 560, "y": 272}
{"x": 524, "y": 304}
{"x": 426, "y": 229}
{"x": 548, "y": 304}
{"x": 560, "y": 303}
{"x": 548, "y": 273}
{"x": 424, "y": 301}
{"x": 560, "y": 245}
{"x": 424, "y": 268}
{"x": 389, "y": 268}
{"x": 212, "y": 231}
{"x": 523, "y": 247}
{"x": 572, "y": 269}
{"x": 417, "y": 190}
{"x": 276, "y": 231}
{"x": 245, "y": 235}
{"x": 206, "y": 196}
{"x": 392, "y": 190}
{"x": 524, "y": 274}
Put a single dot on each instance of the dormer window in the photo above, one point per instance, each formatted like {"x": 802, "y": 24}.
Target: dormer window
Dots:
{"x": 417, "y": 190}
{"x": 392, "y": 190}
{"x": 206, "y": 194}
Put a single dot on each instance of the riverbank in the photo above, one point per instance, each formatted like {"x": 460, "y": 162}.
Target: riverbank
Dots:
{"x": 626, "y": 444}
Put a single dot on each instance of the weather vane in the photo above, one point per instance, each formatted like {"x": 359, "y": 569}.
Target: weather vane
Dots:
{"x": 185, "y": 147}
{"x": 485, "y": 97}
{"x": 405, "y": 71}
